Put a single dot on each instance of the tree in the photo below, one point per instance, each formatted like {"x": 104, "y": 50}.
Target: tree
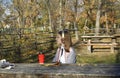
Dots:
{"x": 98, "y": 18}
{"x": 75, "y": 19}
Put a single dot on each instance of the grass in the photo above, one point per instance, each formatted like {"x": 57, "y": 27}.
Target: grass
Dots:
{"x": 97, "y": 58}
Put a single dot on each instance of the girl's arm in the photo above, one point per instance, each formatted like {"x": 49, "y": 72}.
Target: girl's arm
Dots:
{"x": 56, "y": 58}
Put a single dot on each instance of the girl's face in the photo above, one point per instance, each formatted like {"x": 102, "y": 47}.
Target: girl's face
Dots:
{"x": 59, "y": 39}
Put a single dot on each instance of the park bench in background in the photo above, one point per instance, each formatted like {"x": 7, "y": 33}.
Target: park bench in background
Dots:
{"x": 96, "y": 42}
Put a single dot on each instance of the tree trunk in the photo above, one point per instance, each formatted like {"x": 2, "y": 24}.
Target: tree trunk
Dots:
{"x": 98, "y": 19}
{"x": 107, "y": 29}
{"x": 49, "y": 15}
{"x": 60, "y": 12}
{"x": 75, "y": 23}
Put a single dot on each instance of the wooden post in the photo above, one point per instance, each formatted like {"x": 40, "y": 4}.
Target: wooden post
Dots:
{"x": 113, "y": 40}
{"x": 112, "y": 48}
{"x": 89, "y": 47}
{"x": 113, "y": 44}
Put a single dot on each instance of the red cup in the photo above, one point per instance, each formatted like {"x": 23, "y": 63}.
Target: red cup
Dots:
{"x": 41, "y": 58}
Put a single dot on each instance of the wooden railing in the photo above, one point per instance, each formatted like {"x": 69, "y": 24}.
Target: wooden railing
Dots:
{"x": 102, "y": 31}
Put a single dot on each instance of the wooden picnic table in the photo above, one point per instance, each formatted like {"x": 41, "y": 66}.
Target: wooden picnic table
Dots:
{"x": 35, "y": 70}
{"x": 90, "y": 43}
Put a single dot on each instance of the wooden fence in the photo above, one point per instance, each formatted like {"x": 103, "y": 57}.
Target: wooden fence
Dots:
{"x": 24, "y": 44}
{"x": 102, "y": 31}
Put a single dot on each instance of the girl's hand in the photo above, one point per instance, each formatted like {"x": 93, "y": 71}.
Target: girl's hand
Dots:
{"x": 57, "y": 63}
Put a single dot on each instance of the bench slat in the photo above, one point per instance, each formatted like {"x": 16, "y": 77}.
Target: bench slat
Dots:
{"x": 99, "y": 44}
{"x": 97, "y": 36}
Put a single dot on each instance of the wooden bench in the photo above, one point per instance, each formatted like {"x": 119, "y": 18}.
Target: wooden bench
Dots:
{"x": 87, "y": 41}
{"x": 92, "y": 46}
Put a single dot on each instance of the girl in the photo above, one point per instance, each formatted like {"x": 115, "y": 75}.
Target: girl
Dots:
{"x": 65, "y": 53}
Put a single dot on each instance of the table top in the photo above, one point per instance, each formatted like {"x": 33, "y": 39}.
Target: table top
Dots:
{"x": 97, "y": 36}
{"x": 81, "y": 69}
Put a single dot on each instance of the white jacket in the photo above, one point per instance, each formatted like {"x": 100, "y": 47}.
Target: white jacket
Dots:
{"x": 64, "y": 57}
